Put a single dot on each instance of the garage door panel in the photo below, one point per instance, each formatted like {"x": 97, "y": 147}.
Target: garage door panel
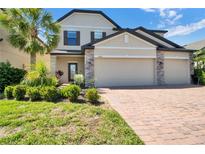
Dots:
{"x": 123, "y": 72}
{"x": 176, "y": 71}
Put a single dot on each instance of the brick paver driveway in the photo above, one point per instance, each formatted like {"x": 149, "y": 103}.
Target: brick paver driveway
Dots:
{"x": 168, "y": 115}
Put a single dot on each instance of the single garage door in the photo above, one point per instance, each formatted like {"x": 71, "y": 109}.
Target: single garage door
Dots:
{"x": 111, "y": 72}
{"x": 176, "y": 71}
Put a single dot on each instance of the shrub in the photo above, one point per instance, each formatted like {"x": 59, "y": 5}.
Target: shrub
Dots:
{"x": 200, "y": 74}
{"x": 39, "y": 77}
{"x": 10, "y": 75}
{"x": 19, "y": 92}
{"x": 71, "y": 91}
{"x": 92, "y": 83}
{"x": 79, "y": 80}
{"x": 49, "y": 93}
{"x": 33, "y": 93}
{"x": 8, "y": 92}
{"x": 92, "y": 95}
{"x": 1, "y": 96}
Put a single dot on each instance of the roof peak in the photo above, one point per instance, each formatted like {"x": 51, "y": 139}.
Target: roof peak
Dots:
{"x": 89, "y": 11}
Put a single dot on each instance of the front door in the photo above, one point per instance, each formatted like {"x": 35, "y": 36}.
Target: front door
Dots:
{"x": 72, "y": 70}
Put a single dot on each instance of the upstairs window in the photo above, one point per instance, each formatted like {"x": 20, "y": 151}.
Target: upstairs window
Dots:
{"x": 72, "y": 38}
{"x": 97, "y": 35}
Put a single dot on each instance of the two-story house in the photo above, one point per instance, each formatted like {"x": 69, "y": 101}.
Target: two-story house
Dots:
{"x": 94, "y": 45}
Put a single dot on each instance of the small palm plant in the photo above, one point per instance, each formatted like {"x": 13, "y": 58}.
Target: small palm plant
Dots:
{"x": 31, "y": 30}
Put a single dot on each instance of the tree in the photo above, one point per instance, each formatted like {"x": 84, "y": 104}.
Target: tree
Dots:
{"x": 31, "y": 30}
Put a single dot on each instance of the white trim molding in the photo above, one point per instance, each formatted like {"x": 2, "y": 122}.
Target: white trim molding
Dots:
{"x": 175, "y": 57}
{"x": 88, "y": 27}
{"x": 124, "y": 56}
{"x": 69, "y": 55}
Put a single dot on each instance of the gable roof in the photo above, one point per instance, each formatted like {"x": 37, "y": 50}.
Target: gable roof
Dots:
{"x": 131, "y": 31}
{"x": 198, "y": 45}
{"x": 90, "y": 45}
{"x": 88, "y": 11}
{"x": 157, "y": 36}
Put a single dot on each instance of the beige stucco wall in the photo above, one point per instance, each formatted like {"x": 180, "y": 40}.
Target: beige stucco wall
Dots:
{"x": 16, "y": 57}
{"x": 177, "y": 54}
{"x": 125, "y": 45}
{"x": 62, "y": 64}
{"x": 85, "y": 23}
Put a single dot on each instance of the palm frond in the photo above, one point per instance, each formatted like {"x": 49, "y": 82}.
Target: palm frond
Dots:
{"x": 31, "y": 29}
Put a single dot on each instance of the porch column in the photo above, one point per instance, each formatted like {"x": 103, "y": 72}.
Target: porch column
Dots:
{"x": 53, "y": 64}
{"x": 160, "y": 68}
{"x": 89, "y": 67}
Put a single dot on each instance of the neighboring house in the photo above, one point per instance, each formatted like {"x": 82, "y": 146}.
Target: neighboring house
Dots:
{"x": 198, "y": 45}
{"x": 15, "y": 57}
{"x": 94, "y": 45}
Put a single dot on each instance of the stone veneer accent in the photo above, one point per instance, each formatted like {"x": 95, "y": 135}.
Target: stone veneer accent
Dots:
{"x": 89, "y": 66}
{"x": 160, "y": 68}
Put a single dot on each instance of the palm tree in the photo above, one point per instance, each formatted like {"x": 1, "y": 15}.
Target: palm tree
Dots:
{"x": 31, "y": 30}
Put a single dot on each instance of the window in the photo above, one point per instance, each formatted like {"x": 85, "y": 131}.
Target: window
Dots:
{"x": 98, "y": 35}
{"x": 71, "y": 38}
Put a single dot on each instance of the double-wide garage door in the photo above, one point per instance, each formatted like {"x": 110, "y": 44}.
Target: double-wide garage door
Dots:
{"x": 111, "y": 72}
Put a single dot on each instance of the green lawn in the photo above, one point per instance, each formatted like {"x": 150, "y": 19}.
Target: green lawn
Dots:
{"x": 62, "y": 123}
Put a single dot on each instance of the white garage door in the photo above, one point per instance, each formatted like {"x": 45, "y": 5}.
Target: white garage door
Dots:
{"x": 123, "y": 72}
{"x": 176, "y": 71}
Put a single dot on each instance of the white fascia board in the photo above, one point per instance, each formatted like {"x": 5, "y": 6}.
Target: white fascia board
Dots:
{"x": 175, "y": 57}
{"x": 88, "y": 27}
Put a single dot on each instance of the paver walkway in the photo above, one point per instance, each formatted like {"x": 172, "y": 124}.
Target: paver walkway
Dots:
{"x": 168, "y": 115}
